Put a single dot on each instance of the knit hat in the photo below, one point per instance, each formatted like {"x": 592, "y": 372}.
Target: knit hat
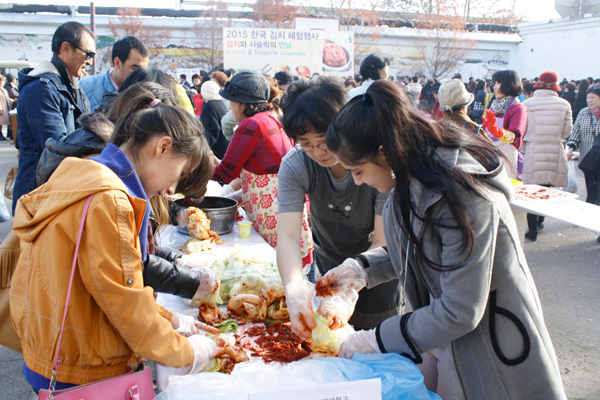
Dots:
{"x": 247, "y": 87}
{"x": 453, "y": 94}
{"x": 210, "y": 91}
{"x": 548, "y": 80}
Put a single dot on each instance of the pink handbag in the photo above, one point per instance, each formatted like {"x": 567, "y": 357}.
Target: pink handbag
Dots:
{"x": 133, "y": 385}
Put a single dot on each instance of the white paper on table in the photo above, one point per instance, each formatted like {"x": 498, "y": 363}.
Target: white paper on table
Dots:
{"x": 368, "y": 389}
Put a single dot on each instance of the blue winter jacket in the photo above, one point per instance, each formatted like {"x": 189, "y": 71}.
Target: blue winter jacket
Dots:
{"x": 47, "y": 108}
{"x": 94, "y": 87}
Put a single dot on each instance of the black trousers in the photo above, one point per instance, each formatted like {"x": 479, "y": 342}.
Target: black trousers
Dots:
{"x": 534, "y": 220}
{"x": 592, "y": 186}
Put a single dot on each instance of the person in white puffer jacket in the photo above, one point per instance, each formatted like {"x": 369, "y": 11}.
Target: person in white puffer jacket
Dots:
{"x": 549, "y": 124}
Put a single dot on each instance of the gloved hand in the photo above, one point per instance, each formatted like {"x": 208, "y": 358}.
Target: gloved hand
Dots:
{"x": 209, "y": 282}
{"x": 186, "y": 325}
{"x": 348, "y": 275}
{"x": 338, "y": 309}
{"x": 490, "y": 123}
{"x": 204, "y": 349}
{"x": 299, "y": 297}
{"x": 183, "y": 218}
{"x": 193, "y": 261}
{"x": 364, "y": 342}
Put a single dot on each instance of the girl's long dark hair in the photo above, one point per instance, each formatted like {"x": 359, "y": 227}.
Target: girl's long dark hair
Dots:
{"x": 385, "y": 118}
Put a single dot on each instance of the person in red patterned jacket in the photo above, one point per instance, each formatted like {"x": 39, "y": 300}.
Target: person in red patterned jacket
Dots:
{"x": 255, "y": 153}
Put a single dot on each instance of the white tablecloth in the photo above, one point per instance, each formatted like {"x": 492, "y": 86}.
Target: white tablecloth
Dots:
{"x": 570, "y": 210}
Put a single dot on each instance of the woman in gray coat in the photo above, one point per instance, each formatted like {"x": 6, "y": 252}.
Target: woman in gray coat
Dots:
{"x": 477, "y": 329}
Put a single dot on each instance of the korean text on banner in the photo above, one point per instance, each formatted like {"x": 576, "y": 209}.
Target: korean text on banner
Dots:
{"x": 301, "y": 53}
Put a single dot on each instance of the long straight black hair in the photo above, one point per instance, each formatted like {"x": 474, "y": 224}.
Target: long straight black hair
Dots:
{"x": 384, "y": 118}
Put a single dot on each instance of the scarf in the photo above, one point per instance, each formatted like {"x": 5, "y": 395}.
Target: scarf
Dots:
{"x": 499, "y": 106}
{"x": 596, "y": 112}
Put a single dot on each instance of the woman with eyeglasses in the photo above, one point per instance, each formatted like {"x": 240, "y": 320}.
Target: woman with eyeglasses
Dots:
{"x": 585, "y": 129}
{"x": 255, "y": 153}
{"x": 346, "y": 218}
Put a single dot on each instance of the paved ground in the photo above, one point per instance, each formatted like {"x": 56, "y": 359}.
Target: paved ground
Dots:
{"x": 565, "y": 263}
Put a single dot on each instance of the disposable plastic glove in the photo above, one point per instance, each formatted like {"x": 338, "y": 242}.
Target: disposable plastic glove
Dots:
{"x": 193, "y": 261}
{"x": 348, "y": 275}
{"x": 204, "y": 350}
{"x": 186, "y": 325}
{"x": 299, "y": 298}
{"x": 209, "y": 282}
{"x": 338, "y": 309}
{"x": 183, "y": 218}
{"x": 363, "y": 342}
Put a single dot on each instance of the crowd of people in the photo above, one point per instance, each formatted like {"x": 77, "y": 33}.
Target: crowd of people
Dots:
{"x": 375, "y": 186}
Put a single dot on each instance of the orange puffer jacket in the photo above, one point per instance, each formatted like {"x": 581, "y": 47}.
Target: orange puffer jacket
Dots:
{"x": 111, "y": 316}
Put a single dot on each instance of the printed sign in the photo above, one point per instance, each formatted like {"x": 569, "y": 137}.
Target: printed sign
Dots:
{"x": 301, "y": 53}
{"x": 368, "y": 389}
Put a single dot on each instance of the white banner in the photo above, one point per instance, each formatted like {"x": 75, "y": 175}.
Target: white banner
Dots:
{"x": 368, "y": 389}
{"x": 301, "y": 53}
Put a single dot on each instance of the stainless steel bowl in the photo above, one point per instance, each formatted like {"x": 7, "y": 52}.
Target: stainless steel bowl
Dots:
{"x": 220, "y": 210}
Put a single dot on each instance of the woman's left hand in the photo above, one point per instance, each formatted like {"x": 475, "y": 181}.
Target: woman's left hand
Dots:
{"x": 363, "y": 342}
{"x": 338, "y": 309}
{"x": 186, "y": 325}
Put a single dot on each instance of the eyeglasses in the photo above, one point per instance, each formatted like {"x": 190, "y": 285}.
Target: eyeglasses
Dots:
{"x": 310, "y": 149}
{"x": 88, "y": 54}
{"x": 595, "y": 87}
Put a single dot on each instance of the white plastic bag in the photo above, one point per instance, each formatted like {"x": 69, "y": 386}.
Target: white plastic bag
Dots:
{"x": 572, "y": 177}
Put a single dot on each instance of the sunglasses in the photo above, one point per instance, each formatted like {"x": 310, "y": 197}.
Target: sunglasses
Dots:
{"x": 88, "y": 54}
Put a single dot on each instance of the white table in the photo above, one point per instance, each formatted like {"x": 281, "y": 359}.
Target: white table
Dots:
{"x": 169, "y": 237}
{"x": 570, "y": 210}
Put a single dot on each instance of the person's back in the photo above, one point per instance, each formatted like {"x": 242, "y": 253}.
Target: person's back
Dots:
{"x": 549, "y": 123}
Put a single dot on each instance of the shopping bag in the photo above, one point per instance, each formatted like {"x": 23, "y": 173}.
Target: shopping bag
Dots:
{"x": 572, "y": 177}
{"x": 9, "y": 184}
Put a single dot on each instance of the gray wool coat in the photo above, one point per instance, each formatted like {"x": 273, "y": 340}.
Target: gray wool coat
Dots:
{"x": 488, "y": 309}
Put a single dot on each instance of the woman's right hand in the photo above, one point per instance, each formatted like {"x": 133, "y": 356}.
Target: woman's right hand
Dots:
{"x": 348, "y": 275}
{"x": 299, "y": 298}
{"x": 569, "y": 154}
{"x": 204, "y": 350}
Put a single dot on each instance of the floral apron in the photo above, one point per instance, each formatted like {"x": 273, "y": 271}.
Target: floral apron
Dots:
{"x": 260, "y": 202}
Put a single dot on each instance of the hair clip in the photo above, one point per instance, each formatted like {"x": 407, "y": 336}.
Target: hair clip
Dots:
{"x": 364, "y": 97}
{"x": 154, "y": 103}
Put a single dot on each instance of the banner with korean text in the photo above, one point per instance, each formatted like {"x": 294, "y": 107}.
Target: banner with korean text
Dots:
{"x": 301, "y": 53}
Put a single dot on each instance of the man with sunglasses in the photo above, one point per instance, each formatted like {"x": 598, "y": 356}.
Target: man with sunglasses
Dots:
{"x": 50, "y": 99}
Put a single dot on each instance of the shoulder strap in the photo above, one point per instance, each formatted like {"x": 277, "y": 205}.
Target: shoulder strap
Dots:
{"x": 81, "y": 224}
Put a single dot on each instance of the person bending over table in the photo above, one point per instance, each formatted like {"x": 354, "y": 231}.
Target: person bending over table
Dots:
{"x": 477, "y": 329}
{"x": 345, "y": 218}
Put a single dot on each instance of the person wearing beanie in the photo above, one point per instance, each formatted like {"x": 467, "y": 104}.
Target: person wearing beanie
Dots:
{"x": 549, "y": 123}
{"x": 454, "y": 99}
{"x": 255, "y": 153}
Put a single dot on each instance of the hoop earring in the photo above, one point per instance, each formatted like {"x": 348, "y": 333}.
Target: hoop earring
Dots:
{"x": 392, "y": 174}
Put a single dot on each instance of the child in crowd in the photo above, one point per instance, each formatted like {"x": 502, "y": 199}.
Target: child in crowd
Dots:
{"x": 112, "y": 316}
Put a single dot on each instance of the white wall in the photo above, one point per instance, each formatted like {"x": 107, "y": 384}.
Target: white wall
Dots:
{"x": 571, "y": 48}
